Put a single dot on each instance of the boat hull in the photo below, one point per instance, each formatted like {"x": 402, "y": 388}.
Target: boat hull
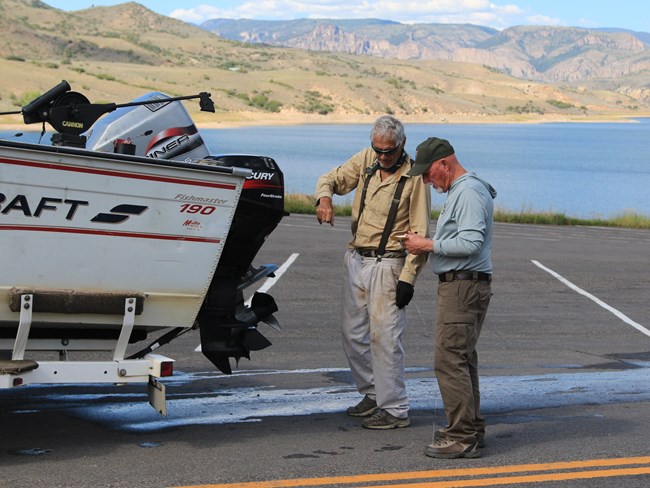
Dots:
{"x": 96, "y": 224}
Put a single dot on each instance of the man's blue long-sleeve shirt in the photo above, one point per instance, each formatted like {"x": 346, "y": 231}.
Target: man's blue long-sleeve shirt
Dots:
{"x": 463, "y": 238}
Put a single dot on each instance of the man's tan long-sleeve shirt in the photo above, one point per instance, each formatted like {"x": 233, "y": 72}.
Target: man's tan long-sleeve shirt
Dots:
{"x": 413, "y": 212}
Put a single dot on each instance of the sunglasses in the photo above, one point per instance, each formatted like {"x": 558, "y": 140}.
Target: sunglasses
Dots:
{"x": 385, "y": 151}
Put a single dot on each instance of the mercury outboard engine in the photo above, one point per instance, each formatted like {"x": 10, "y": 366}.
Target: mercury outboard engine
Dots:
{"x": 158, "y": 126}
{"x": 227, "y": 325}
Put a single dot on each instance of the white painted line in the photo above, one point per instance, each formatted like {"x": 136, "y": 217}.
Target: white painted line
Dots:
{"x": 268, "y": 283}
{"x": 598, "y": 301}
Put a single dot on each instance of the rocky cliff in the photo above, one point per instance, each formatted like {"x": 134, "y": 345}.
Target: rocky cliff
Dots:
{"x": 548, "y": 54}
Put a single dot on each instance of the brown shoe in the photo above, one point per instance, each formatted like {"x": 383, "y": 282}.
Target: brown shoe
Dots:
{"x": 442, "y": 434}
{"x": 450, "y": 449}
{"x": 384, "y": 420}
{"x": 364, "y": 408}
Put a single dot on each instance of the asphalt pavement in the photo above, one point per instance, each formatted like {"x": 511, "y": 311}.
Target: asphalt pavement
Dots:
{"x": 565, "y": 371}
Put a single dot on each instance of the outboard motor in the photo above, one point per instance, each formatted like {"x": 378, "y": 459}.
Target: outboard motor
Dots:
{"x": 229, "y": 327}
{"x": 153, "y": 126}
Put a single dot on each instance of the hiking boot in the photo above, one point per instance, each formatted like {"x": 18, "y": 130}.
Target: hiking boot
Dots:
{"x": 383, "y": 420}
{"x": 364, "y": 408}
{"x": 447, "y": 448}
{"x": 442, "y": 434}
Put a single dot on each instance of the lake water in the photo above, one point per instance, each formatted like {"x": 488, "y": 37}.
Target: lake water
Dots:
{"x": 580, "y": 169}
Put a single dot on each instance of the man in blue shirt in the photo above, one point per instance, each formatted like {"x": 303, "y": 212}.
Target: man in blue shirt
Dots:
{"x": 461, "y": 257}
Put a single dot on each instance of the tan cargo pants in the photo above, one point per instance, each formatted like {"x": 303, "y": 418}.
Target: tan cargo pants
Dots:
{"x": 460, "y": 311}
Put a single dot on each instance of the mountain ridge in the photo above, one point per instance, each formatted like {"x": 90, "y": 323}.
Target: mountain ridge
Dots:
{"x": 536, "y": 53}
{"x": 115, "y": 53}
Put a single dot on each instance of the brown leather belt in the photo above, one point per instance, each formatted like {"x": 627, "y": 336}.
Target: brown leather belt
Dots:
{"x": 372, "y": 253}
{"x": 464, "y": 275}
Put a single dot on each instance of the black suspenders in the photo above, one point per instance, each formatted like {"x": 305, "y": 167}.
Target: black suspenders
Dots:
{"x": 392, "y": 213}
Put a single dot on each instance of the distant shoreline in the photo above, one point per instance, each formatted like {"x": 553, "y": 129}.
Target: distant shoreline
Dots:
{"x": 252, "y": 119}
{"x": 228, "y": 120}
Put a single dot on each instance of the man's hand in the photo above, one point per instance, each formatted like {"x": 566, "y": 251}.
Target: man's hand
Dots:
{"x": 404, "y": 294}
{"x": 325, "y": 211}
{"x": 416, "y": 244}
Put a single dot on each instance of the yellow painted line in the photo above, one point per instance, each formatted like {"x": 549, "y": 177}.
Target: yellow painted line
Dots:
{"x": 508, "y": 480}
{"x": 596, "y": 464}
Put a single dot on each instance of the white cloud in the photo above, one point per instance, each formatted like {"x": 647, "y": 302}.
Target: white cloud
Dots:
{"x": 202, "y": 13}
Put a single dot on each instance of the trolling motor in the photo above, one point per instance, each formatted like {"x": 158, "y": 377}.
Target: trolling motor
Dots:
{"x": 71, "y": 113}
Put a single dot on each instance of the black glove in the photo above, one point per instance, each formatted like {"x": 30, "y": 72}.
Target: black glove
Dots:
{"x": 404, "y": 294}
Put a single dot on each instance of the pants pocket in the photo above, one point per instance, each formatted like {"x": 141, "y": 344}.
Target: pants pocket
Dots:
{"x": 457, "y": 302}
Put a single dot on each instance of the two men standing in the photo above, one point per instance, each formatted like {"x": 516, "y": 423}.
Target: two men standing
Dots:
{"x": 379, "y": 277}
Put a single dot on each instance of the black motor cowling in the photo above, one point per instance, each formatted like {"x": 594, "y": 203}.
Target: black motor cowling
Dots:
{"x": 228, "y": 327}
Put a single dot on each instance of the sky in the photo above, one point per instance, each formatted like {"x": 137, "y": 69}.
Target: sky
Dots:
{"x": 626, "y": 14}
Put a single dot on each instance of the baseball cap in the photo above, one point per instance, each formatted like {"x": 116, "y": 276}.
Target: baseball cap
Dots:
{"x": 429, "y": 151}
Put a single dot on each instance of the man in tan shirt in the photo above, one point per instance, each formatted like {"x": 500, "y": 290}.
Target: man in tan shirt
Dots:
{"x": 378, "y": 274}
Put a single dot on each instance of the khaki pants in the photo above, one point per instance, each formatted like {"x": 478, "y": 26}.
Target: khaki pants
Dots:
{"x": 461, "y": 309}
{"x": 372, "y": 327}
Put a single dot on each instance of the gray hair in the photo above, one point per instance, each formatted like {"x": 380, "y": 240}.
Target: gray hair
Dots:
{"x": 389, "y": 126}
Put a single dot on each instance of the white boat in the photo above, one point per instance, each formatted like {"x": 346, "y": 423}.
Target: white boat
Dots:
{"x": 126, "y": 225}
